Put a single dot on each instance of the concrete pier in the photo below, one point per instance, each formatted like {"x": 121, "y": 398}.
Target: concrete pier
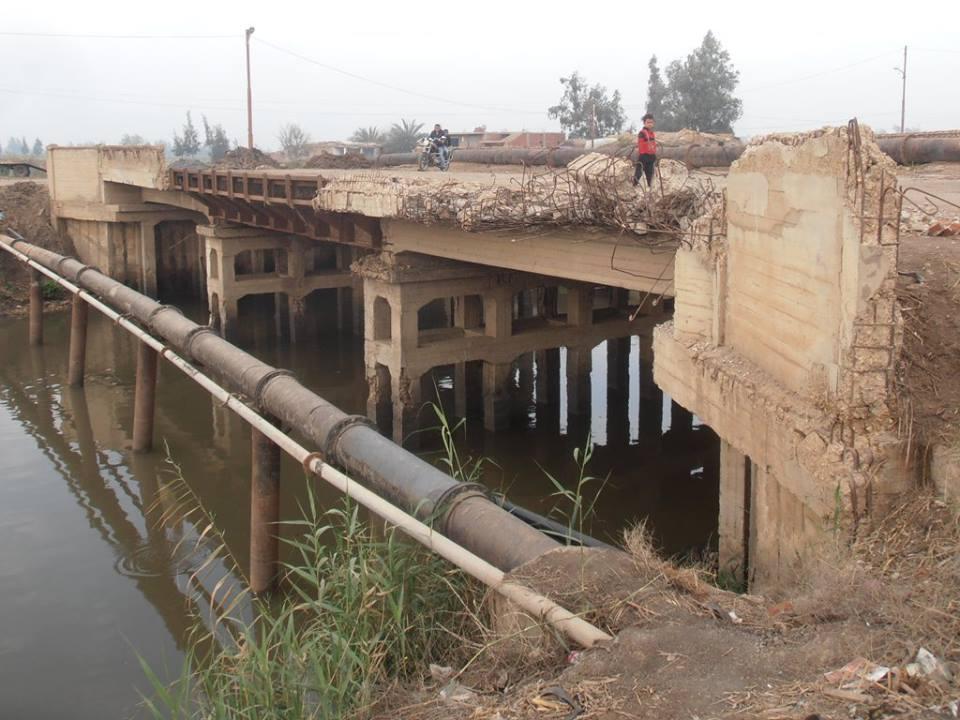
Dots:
{"x": 243, "y": 261}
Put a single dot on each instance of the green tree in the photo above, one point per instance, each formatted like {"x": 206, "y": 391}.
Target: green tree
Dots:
{"x": 188, "y": 144}
{"x": 700, "y": 90}
{"x": 656, "y": 91}
{"x": 370, "y": 134}
{"x": 215, "y": 140}
{"x": 127, "y": 139}
{"x": 587, "y": 112}
{"x": 38, "y": 149}
{"x": 294, "y": 141}
{"x": 403, "y": 136}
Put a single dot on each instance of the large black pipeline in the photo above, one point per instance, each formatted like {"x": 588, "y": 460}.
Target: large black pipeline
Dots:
{"x": 457, "y": 510}
{"x": 906, "y": 149}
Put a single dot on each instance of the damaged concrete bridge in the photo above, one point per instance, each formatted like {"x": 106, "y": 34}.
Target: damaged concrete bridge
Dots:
{"x": 779, "y": 278}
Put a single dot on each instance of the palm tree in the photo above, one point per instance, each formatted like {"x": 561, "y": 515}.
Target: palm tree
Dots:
{"x": 403, "y": 137}
{"x": 370, "y": 134}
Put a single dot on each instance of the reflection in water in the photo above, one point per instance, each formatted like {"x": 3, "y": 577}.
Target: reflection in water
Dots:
{"x": 84, "y": 592}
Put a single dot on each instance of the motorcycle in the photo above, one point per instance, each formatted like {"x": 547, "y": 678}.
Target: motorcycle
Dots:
{"x": 429, "y": 155}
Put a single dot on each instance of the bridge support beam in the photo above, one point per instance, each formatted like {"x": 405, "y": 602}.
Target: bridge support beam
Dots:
{"x": 145, "y": 395}
{"x": 78, "y": 342}
{"x": 244, "y": 261}
{"x": 264, "y": 512}
{"x": 36, "y": 308}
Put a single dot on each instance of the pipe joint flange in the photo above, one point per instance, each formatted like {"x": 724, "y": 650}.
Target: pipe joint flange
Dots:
{"x": 193, "y": 335}
{"x": 81, "y": 271}
{"x": 450, "y": 498}
{"x": 331, "y": 447}
{"x": 262, "y": 384}
{"x": 60, "y": 262}
{"x": 157, "y": 310}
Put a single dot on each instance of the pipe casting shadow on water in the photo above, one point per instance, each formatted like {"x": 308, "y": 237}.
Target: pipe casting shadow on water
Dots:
{"x": 532, "y": 602}
{"x": 476, "y": 515}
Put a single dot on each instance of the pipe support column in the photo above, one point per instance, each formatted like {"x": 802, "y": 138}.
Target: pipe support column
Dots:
{"x": 145, "y": 397}
{"x": 78, "y": 342}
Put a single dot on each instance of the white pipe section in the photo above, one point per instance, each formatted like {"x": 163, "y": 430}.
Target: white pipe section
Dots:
{"x": 575, "y": 627}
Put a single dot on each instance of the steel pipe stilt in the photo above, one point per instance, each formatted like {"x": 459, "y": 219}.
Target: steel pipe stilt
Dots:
{"x": 145, "y": 397}
{"x": 264, "y": 512}
{"x": 36, "y": 308}
{"x": 78, "y": 342}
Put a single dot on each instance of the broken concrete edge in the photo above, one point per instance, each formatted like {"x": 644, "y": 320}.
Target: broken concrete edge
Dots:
{"x": 786, "y": 334}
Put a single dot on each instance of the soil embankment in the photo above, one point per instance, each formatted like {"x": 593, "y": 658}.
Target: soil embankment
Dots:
{"x": 873, "y": 633}
{"x": 26, "y": 209}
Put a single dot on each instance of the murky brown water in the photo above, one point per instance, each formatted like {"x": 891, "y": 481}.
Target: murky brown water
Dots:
{"x": 89, "y": 575}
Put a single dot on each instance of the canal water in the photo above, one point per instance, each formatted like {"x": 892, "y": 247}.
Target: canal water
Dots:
{"x": 97, "y": 569}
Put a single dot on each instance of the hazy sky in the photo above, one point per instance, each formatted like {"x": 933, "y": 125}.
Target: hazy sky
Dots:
{"x": 497, "y": 63}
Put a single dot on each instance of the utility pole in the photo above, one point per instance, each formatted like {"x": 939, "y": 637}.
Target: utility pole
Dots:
{"x": 903, "y": 92}
{"x": 249, "y": 95}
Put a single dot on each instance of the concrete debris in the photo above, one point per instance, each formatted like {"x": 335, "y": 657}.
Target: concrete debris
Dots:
{"x": 454, "y": 692}
{"x": 929, "y": 666}
{"x": 597, "y": 190}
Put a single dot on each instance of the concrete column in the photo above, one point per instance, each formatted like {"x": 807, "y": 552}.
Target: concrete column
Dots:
{"x": 580, "y": 305}
{"x": 651, "y": 401}
{"x": 550, "y": 298}
{"x": 78, "y": 341}
{"x": 264, "y": 512}
{"x": 460, "y": 389}
{"x": 548, "y": 376}
{"x": 148, "y": 258}
{"x": 407, "y": 404}
{"x": 36, "y": 308}
{"x": 229, "y": 318}
{"x": 498, "y": 312}
{"x": 618, "y": 391}
{"x": 734, "y": 525}
{"x": 681, "y": 419}
{"x": 404, "y": 333}
{"x": 145, "y": 395}
{"x": 298, "y": 318}
{"x": 468, "y": 312}
{"x": 496, "y": 397}
{"x": 379, "y": 396}
{"x": 765, "y": 533}
{"x": 356, "y": 307}
{"x": 579, "y": 363}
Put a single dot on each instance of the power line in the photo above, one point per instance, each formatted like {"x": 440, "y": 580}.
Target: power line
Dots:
{"x": 388, "y": 86}
{"x": 99, "y": 36}
{"x": 821, "y": 73}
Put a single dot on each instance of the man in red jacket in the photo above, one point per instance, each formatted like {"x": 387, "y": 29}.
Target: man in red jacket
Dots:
{"x": 646, "y": 151}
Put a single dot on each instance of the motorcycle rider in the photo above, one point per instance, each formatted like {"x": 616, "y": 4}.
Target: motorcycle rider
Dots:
{"x": 440, "y": 139}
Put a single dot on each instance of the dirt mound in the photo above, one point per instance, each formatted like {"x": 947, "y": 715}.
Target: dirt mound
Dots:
{"x": 26, "y": 209}
{"x": 856, "y": 641}
{"x": 242, "y": 158}
{"x": 26, "y": 206}
{"x": 929, "y": 293}
{"x": 341, "y": 162}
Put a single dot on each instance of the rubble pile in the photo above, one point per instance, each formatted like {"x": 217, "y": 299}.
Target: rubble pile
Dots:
{"x": 596, "y": 190}
{"x": 242, "y": 158}
{"x": 342, "y": 162}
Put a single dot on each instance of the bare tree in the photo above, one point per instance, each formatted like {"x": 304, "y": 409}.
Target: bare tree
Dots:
{"x": 294, "y": 141}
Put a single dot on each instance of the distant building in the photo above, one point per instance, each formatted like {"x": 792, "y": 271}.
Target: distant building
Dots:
{"x": 371, "y": 151}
